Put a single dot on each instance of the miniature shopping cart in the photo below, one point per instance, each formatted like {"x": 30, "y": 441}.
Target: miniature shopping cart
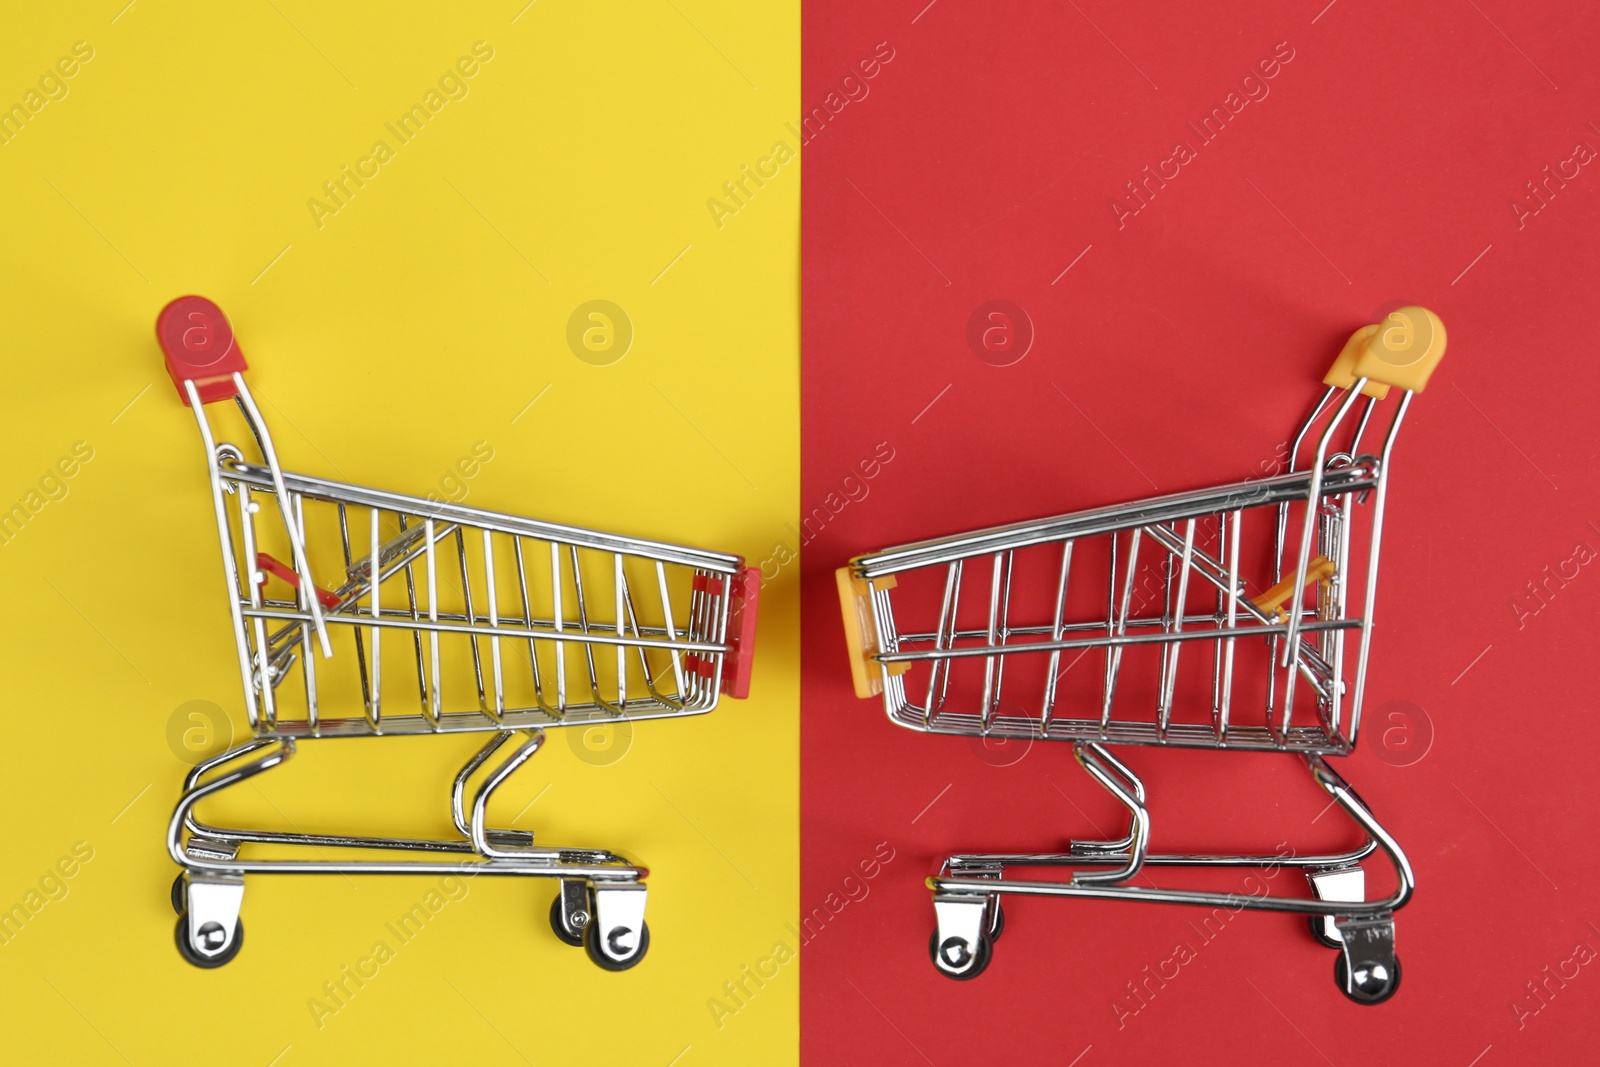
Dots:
{"x": 1153, "y": 623}
{"x": 363, "y": 613}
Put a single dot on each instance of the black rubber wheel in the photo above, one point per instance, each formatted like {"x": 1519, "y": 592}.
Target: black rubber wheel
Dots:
{"x": 1373, "y": 990}
{"x": 207, "y": 962}
{"x": 980, "y": 956}
{"x": 591, "y": 944}
{"x": 999, "y": 926}
{"x": 1315, "y": 923}
{"x": 179, "y": 885}
{"x": 561, "y": 931}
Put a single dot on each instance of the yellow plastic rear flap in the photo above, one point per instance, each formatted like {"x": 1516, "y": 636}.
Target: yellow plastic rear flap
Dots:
{"x": 855, "y": 604}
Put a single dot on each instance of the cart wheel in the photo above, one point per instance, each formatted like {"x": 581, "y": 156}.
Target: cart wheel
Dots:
{"x": 1374, "y": 983}
{"x": 188, "y": 953}
{"x": 179, "y": 885}
{"x": 591, "y": 944}
{"x": 954, "y": 959}
{"x": 560, "y": 928}
{"x": 1318, "y": 932}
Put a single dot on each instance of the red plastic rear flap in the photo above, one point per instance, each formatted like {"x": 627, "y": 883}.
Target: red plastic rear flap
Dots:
{"x": 736, "y": 666}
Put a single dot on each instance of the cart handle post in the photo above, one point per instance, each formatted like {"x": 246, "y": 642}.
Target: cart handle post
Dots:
{"x": 206, "y": 365}
{"x": 1402, "y": 352}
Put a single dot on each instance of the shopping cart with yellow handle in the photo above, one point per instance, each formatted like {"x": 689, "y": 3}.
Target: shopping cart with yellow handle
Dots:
{"x": 1152, "y": 623}
{"x": 359, "y": 612}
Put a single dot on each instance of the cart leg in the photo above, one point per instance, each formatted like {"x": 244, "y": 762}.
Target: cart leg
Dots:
{"x": 458, "y": 791}
{"x": 1339, "y": 884}
{"x": 1123, "y": 784}
{"x": 1125, "y": 842}
{"x": 488, "y": 842}
{"x": 1367, "y": 969}
{"x": 272, "y": 753}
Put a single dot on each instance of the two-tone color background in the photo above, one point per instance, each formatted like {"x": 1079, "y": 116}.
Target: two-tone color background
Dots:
{"x": 1442, "y": 152}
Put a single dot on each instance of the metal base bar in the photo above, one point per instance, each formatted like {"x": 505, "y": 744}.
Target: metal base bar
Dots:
{"x": 507, "y": 853}
{"x": 954, "y": 885}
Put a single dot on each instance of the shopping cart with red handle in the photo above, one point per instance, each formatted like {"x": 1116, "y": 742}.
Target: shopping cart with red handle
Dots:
{"x": 359, "y": 612}
{"x": 1151, "y": 623}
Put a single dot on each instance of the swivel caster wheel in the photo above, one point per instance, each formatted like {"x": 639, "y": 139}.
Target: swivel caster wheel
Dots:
{"x": 591, "y": 944}
{"x": 1375, "y": 980}
{"x": 955, "y": 958}
{"x": 187, "y": 951}
{"x": 209, "y": 931}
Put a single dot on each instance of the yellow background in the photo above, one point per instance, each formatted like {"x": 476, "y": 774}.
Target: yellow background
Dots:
{"x": 412, "y": 324}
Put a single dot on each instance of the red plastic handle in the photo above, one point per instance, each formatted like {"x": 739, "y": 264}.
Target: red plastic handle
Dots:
{"x": 737, "y": 664}
{"x": 279, "y": 569}
{"x": 199, "y": 346}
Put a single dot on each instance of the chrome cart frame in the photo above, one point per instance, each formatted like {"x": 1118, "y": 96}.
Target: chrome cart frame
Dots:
{"x": 1324, "y": 516}
{"x": 437, "y": 623}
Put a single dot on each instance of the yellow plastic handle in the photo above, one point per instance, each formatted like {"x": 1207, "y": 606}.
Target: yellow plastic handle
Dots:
{"x": 1342, "y": 375}
{"x": 1403, "y": 349}
{"x": 855, "y": 603}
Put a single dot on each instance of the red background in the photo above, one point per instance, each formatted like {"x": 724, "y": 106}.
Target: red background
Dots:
{"x": 1380, "y": 169}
